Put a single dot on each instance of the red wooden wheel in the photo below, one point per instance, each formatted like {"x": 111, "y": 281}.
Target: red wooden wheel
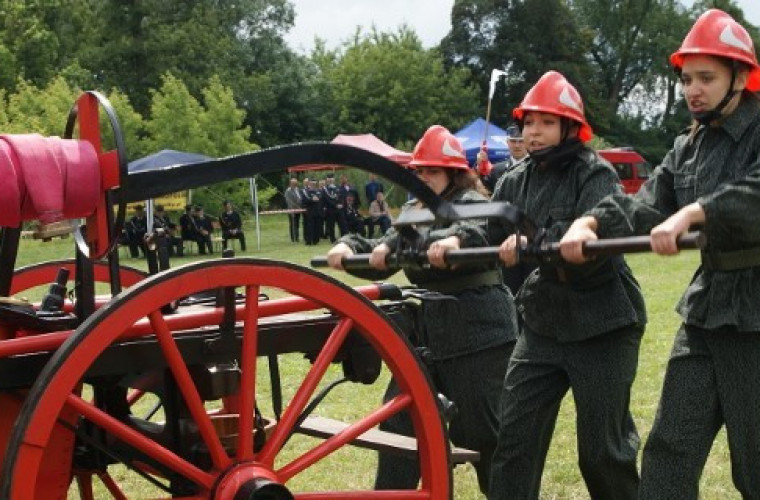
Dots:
{"x": 241, "y": 471}
{"x": 43, "y": 273}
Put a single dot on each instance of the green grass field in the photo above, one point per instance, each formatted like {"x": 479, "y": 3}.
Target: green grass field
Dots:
{"x": 663, "y": 280}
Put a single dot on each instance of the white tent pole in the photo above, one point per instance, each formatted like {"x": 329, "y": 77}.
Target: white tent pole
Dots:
{"x": 149, "y": 214}
{"x": 255, "y": 203}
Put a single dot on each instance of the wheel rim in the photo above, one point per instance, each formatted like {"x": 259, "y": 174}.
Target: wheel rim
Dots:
{"x": 54, "y": 389}
{"x": 43, "y": 273}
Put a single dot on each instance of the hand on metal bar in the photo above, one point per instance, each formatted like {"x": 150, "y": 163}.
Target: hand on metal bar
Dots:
{"x": 543, "y": 253}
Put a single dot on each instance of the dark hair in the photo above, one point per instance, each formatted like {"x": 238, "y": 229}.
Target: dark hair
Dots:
{"x": 468, "y": 180}
{"x": 159, "y": 208}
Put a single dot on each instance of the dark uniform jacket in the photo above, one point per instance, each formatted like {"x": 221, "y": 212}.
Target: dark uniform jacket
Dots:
{"x": 331, "y": 198}
{"x": 719, "y": 167}
{"x": 230, "y": 221}
{"x": 312, "y": 201}
{"x": 499, "y": 169}
{"x": 347, "y": 189}
{"x": 482, "y": 314}
{"x": 164, "y": 222}
{"x": 565, "y": 301}
{"x": 187, "y": 226}
{"x": 137, "y": 226}
{"x": 203, "y": 223}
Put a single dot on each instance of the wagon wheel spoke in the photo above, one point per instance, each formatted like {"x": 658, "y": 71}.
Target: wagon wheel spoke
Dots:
{"x": 111, "y": 485}
{"x": 189, "y": 390}
{"x": 84, "y": 483}
{"x": 353, "y": 431}
{"x": 305, "y": 391}
{"x": 140, "y": 442}
{"x": 249, "y": 352}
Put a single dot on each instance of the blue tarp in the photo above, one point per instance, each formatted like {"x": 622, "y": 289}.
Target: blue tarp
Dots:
{"x": 471, "y": 137}
{"x": 165, "y": 158}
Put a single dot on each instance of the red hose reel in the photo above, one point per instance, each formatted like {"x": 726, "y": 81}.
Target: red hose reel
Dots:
{"x": 47, "y": 178}
{"x": 53, "y": 179}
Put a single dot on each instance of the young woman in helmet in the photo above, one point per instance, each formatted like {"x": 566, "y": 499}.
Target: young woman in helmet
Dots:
{"x": 469, "y": 325}
{"x": 711, "y": 178}
{"x": 581, "y": 324}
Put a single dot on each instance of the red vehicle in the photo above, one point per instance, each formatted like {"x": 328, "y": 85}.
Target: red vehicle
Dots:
{"x": 630, "y": 166}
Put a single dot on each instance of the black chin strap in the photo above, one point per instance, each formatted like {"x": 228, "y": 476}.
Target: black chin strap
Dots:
{"x": 557, "y": 155}
{"x": 449, "y": 190}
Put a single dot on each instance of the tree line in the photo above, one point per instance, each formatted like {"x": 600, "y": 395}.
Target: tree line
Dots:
{"x": 216, "y": 76}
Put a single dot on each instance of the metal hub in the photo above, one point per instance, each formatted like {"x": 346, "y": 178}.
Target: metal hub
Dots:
{"x": 251, "y": 481}
{"x": 262, "y": 489}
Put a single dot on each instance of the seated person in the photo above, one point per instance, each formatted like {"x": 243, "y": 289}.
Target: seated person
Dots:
{"x": 204, "y": 229}
{"x": 188, "y": 231}
{"x": 351, "y": 216}
{"x": 232, "y": 226}
{"x": 135, "y": 229}
{"x": 161, "y": 220}
{"x": 379, "y": 214}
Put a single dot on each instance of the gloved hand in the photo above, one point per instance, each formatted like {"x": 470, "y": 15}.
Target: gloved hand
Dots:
{"x": 484, "y": 166}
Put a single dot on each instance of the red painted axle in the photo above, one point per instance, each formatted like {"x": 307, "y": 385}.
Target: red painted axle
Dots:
{"x": 185, "y": 321}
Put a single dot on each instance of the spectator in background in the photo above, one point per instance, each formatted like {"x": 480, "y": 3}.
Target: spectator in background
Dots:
{"x": 187, "y": 224}
{"x": 517, "y": 155}
{"x": 135, "y": 229}
{"x": 352, "y": 217}
{"x": 294, "y": 201}
{"x": 379, "y": 214}
{"x": 321, "y": 183}
{"x": 372, "y": 188}
{"x": 347, "y": 189}
{"x": 161, "y": 220}
{"x": 189, "y": 229}
{"x": 304, "y": 189}
{"x": 312, "y": 221}
{"x": 333, "y": 208}
{"x": 232, "y": 226}
{"x": 205, "y": 229}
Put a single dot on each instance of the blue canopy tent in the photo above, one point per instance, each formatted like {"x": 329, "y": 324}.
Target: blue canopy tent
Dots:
{"x": 162, "y": 159}
{"x": 165, "y": 158}
{"x": 471, "y": 137}
{"x": 169, "y": 157}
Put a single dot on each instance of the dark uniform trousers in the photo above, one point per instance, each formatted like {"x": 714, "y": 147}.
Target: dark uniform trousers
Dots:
{"x": 453, "y": 378}
{"x": 601, "y": 370}
{"x": 705, "y": 387}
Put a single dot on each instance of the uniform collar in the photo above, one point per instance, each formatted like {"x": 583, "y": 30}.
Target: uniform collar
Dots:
{"x": 737, "y": 122}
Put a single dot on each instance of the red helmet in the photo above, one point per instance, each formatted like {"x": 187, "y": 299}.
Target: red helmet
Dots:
{"x": 717, "y": 34}
{"x": 439, "y": 148}
{"x": 553, "y": 94}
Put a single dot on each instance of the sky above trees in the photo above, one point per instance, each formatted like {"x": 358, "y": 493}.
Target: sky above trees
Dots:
{"x": 336, "y": 20}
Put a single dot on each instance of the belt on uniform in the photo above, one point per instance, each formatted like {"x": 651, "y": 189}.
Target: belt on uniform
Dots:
{"x": 463, "y": 282}
{"x": 731, "y": 260}
{"x": 607, "y": 271}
